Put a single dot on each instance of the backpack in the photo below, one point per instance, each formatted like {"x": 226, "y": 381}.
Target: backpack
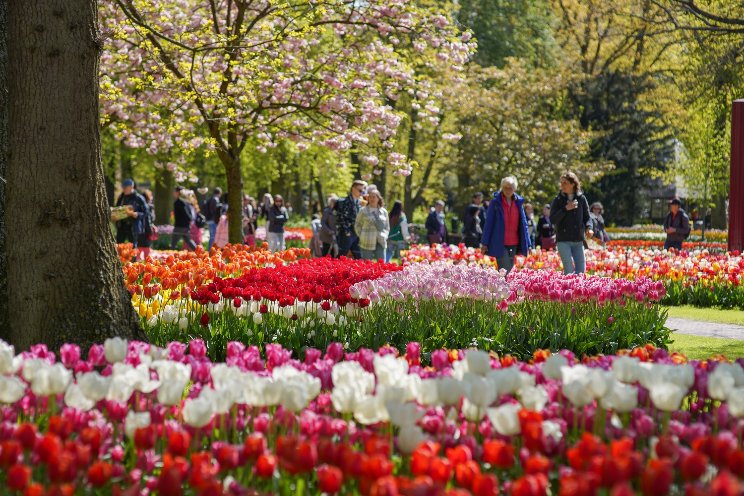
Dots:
{"x": 200, "y": 220}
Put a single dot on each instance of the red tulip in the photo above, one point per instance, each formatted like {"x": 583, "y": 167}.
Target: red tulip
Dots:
{"x": 384, "y": 486}
{"x": 100, "y": 473}
{"x": 330, "y": 479}
{"x": 459, "y": 454}
{"x": 486, "y": 485}
{"x": 169, "y": 482}
{"x": 465, "y": 473}
{"x": 34, "y": 489}
{"x": 93, "y": 437}
{"x": 227, "y": 457}
{"x": 266, "y": 465}
{"x": 26, "y": 435}
{"x": 657, "y": 478}
{"x": 178, "y": 443}
{"x": 693, "y": 465}
{"x": 19, "y": 476}
{"x": 725, "y": 485}
{"x": 440, "y": 470}
{"x": 537, "y": 464}
{"x": 254, "y": 445}
{"x": 49, "y": 448}
{"x": 736, "y": 462}
{"x": 61, "y": 426}
{"x": 10, "y": 452}
{"x": 204, "y": 320}
{"x": 498, "y": 453}
{"x": 145, "y": 437}
{"x": 530, "y": 485}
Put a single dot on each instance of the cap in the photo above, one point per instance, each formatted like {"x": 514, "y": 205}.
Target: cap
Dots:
{"x": 675, "y": 201}
{"x": 127, "y": 182}
{"x": 439, "y": 202}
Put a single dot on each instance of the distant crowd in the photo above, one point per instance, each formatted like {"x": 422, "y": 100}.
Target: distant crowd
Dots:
{"x": 359, "y": 226}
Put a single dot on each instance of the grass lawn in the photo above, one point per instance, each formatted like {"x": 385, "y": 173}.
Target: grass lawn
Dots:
{"x": 707, "y": 314}
{"x": 696, "y": 347}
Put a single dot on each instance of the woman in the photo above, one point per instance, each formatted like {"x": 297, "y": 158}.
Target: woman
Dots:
{"x": 471, "y": 230}
{"x": 195, "y": 230}
{"x": 222, "y": 235}
{"x": 372, "y": 225}
{"x": 144, "y": 240}
{"x": 505, "y": 234}
{"x": 328, "y": 228}
{"x": 277, "y": 217}
{"x": 545, "y": 231}
{"x": 529, "y": 211}
{"x": 598, "y": 223}
{"x": 249, "y": 221}
{"x": 399, "y": 234}
{"x": 436, "y": 227}
{"x": 569, "y": 212}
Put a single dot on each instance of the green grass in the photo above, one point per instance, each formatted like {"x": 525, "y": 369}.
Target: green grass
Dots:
{"x": 707, "y": 314}
{"x": 696, "y": 347}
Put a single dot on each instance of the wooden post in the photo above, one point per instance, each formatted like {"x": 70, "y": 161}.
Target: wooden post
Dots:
{"x": 736, "y": 191}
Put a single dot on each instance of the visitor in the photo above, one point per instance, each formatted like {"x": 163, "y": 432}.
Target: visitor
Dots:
{"x": 373, "y": 227}
{"x": 598, "y": 223}
{"x": 477, "y": 202}
{"x": 472, "y": 232}
{"x": 250, "y": 216}
{"x": 150, "y": 233}
{"x": 199, "y": 220}
{"x": 505, "y": 234}
{"x": 316, "y": 246}
{"x": 436, "y": 229}
{"x": 328, "y": 228}
{"x": 545, "y": 238}
{"x": 213, "y": 212}
{"x": 265, "y": 205}
{"x": 399, "y": 234}
{"x": 346, "y": 214}
{"x": 529, "y": 212}
{"x": 676, "y": 225}
{"x": 182, "y": 219}
{"x": 277, "y": 216}
{"x": 569, "y": 213}
{"x": 222, "y": 235}
{"x": 132, "y": 226}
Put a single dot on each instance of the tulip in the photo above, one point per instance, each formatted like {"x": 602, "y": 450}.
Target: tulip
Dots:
{"x": 136, "y": 421}
{"x": 330, "y": 479}
{"x": 18, "y": 477}
{"x": 505, "y": 418}
{"x": 12, "y": 389}
{"x": 7, "y": 353}
{"x": 115, "y": 349}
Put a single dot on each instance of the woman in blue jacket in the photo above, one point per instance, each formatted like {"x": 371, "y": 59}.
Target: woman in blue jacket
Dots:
{"x": 505, "y": 233}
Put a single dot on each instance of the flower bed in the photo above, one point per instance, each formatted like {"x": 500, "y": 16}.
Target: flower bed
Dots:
{"x": 135, "y": 419}
{"x": 454, "y": 253}
{"x": 367, "y": 304}
{"x": 688, "y": 246}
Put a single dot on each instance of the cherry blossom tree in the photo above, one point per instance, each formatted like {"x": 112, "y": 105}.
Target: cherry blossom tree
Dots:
{"x": 228, "y": 73}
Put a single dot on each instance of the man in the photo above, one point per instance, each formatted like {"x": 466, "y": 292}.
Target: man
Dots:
{"x": 182, "y": 219}
{"x": 278, "y": 216}
{"x": 130, "y": 228}
{"x": 213, "y": 211}
{"x": 436, "y": 228}
{"x": 676, "y": 225}
{"x": 476, "y": 201}
{"x": 346, "y": 213}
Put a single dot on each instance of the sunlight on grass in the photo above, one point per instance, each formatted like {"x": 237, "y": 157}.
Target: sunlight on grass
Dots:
{"x": 696, "y": 347}
{"x": 708, "y": 314}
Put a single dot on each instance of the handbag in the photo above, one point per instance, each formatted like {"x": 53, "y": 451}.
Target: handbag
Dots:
{"x": 153, "y": 234}
{"x": 200, "y": 220}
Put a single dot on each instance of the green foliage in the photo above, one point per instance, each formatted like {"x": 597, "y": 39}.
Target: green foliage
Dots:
{"x": 585, "y": 328}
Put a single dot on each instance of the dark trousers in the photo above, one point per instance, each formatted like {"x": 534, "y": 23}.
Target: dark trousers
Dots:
{"x": 125, "y": 234}
{"x": 347, "y": 244}
{"x": 182, "y": 233}
{"x": 672, "y": 244}
{"x": 326, "y": 249}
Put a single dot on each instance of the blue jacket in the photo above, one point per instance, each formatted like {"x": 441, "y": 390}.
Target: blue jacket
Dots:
{"x": 493, "y": 232}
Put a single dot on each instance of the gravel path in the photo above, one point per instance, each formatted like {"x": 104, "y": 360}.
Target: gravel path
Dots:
{"x": 706, "y": 329}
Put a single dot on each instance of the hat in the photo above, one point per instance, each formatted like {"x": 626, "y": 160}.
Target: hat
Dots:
{"x": 675, "y": 201}
{"x": 179, "y": 188}
{"x": 439, "y": 202}
{"x": 127, "y": 182}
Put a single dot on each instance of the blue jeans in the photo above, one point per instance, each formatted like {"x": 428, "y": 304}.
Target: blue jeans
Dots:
{"x": 572, "y": 256}
{"x": 212, "y": 232}
{"x": 506, "y": 261}
{"x": 393, "y": 250}
{"x": 377, "y": 254}
{"x": 349, "y": 243}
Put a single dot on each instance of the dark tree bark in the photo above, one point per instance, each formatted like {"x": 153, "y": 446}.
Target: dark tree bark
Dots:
{"x": 163, "y": 196}
{"x": 4, "y": 323}
{"x": 64, "y": 277}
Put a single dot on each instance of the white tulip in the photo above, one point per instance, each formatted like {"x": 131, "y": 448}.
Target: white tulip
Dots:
{"x": 428, "y": 392}
{"x": 197, "y": 412}
{"x": 720, "y": 383}
{"x": 625, "y": 369}
{"x": 295, "y": 396}
{"x": 600, "y": 382}
{"x": 553, "y": 430}
{"x": 7, "y": 353}
{"x": 257, "y": 318}
{"x": 667, "y": 396}
{"x": 449, "y": 390}
{"x": 736, "y": 402}
{"x": 409, "y": 438}
{"x": 505, "y": 418}
{"x": 31, "y": 367}
{"x": 505, "y": 381}
{"x": 51, "y": 380}
{"x": 75, "y": 398}
{"x": 403, "y": 414}
{"x": 479, "y": 390}
{"x": 533, "y": 398}
{"x": 459, "y": 368}
{"x": 135, "y": 421}
{"x": 221, "y": 400}
{"x": 552, "y": 367}
{"x": 170, "y": 392}
{"x": 12, "y": 389}
{"x": 115, "y": 349}
{"x": 578, "y": 392}
{"x": 353, "y": 374}
{"x": 344, "y": 398}
{"x": 620, "y": 398}
{"x": 330, "y": 319}
{"x": 370, "y": 410}
{"x": 168, "y": 370}
{"x": 389, "y": 369}
{"x": 93, "y": 385}
{"x": 183, "y": 323}
{"x": 478, "y": 362}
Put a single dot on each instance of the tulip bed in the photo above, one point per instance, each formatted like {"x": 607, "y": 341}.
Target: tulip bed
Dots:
{"x": 311, "y": 303}
{"x": 136, "y": 419}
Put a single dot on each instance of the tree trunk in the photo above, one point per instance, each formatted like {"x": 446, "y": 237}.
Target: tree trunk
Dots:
{"x": 234, "y": 200}
{"x": 64, "y": 277}
{"x": 4, "y": 323}
{"x": 163, "y": 196}
{"x": 408, "y": 205}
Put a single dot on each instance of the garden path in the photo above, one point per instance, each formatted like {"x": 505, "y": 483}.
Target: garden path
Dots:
{"x": 706, "y": 329}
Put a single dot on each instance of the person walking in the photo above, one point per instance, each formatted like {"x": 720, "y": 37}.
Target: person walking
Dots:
{"x": 598, "y": 224}
{"x": 198, "y": 219}
{"x": 569, "y": 212}
{"x": 472, "y": 232}
{"x": 373, "y": 226}
{"x": 250, "y": 215}
{"x": 529, "y": 212}
{"x": 347, "y": 210}
{"x": 213, "y": 211}
{"x": 505, "y": 234}
{"x": 399, "y": 234}
{"x": 436, "y": 228}
{"x": 545, "y": 237}
{"x": 327, "y": 233}
{"x": 150, "y": 231}
{"x": 277, "y": 216}
{"x": 676, "y": 225}
{"x": 182, "y": 219}
{"x": 133, "y": 226}
{"x": 477, "y": 202}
